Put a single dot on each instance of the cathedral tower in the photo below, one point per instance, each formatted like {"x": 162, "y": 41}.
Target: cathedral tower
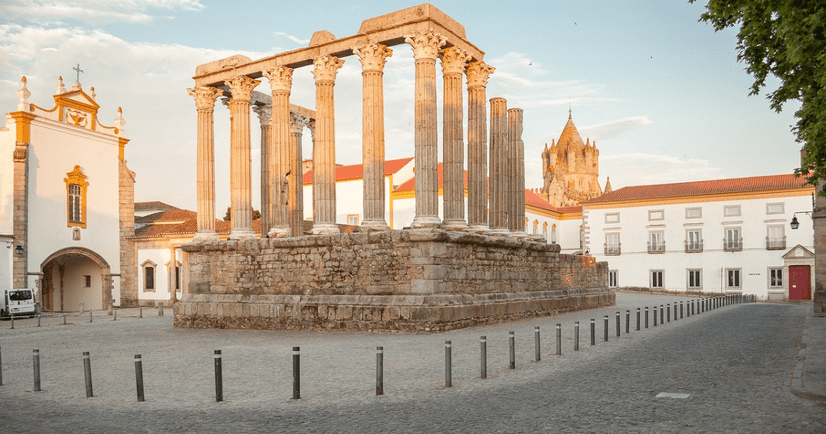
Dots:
{"x": 570, "y": 169}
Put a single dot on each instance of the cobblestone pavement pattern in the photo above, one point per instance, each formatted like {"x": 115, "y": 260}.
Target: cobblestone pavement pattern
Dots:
{"x": 736, "y": 363}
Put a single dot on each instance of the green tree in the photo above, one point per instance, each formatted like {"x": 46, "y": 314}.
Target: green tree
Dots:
{"x": 228, "y": 216}
{"x": 786, "y": 39}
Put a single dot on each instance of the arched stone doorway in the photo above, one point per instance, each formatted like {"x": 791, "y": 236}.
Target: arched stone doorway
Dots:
{"x": 75, "y": 275}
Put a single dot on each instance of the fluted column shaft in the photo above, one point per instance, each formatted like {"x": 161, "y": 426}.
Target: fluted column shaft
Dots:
{"x": 241, "y": 157}
{"x": 516, "y": 155}
{"x": 264, "y": 117}
{"x": 280, "y": 142}
{"x": 372, "y": 57}
{"x": 296, "y": 197}
{"x": 454, "y": 60}
{"x": 205, "y": 186}
{"x": 426, "y": 47}
{"x": 324, "y": 151}
{"x": 477, "y": 136}
{"x": 499, "y": 173}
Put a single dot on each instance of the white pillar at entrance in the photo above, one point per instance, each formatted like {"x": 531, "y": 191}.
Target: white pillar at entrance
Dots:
{"x": 426, "y": 47}
{"x": 281, "y": 141}
{"x": 373, "y": 57}
{"x": 240, "y": 157}
{"x": 264, "y": 113}
{"x": 324, "y": 150}
{"x": 205, "y": 193}
{"x": 454, "y": 60}
{"x": 477, "y": 153}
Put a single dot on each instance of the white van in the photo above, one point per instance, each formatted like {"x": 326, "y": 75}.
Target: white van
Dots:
{"x": 17, "y": 302}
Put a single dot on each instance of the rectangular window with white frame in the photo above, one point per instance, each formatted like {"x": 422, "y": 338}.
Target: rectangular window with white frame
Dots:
{"x": 734, "y": 279}
{"x": 733, "y": 242}
{"x": 656, "y": 242}
{"x": 656, "y": 214}
{"x": 694, "y": 279}
{"x": 775, "y": 237}
{"x": 612, "y": 244}
{"x": 612, "y": 217}
{"x": 693, "y": 212}
{"x": 693, "y": 240}
{"x": 656, "y": 279}
{"x": 775, "y": 208}
{"x": 731, "y": 210}
{"x": 775, "y": 277}
{"x": 353, "y": 219}
{"x": 613, "y": 276}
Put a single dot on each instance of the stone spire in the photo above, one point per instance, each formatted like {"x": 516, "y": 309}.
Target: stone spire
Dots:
{"x": 24, "y": 94}
{"x": 608, "y": 187}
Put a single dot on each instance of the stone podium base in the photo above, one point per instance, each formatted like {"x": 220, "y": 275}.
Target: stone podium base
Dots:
{"x": 417, "y": 280}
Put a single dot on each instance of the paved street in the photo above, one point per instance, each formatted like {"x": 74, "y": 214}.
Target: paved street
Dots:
{"x": 736, "y": 364}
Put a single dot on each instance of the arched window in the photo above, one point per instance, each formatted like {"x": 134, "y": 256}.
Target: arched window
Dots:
{"x": 545, "y": 231}
{"x": 76, "y": 198}
{"x": 535, "y": 227}
{"x": 553, "y": 234}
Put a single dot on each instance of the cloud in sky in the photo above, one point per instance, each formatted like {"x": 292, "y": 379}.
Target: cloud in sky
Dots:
{"x": 292, "y": 38}
{"x": 645, "y": 169}
{"x": 97, "y": 11}
{"x": 609, "y": 130}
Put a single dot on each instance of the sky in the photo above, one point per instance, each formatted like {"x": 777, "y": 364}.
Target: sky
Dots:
{"x": 661, "y": 93}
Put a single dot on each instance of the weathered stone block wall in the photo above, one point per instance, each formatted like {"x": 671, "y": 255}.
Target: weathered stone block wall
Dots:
{"x": 401, "y": 280}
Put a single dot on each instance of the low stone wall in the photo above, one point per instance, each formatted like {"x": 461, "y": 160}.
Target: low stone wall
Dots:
{"x": 424, "y": 280}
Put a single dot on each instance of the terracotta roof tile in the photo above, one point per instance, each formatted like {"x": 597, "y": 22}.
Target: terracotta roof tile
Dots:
{"x": 171, "y": 216}
{"x": 150, "y": 206}
{"x": 356, "y": 171}
{"x": 704, "y": 188}
{"x": 533, "y": 199}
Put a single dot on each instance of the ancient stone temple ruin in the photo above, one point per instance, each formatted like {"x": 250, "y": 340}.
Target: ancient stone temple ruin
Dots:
{"x": 442, "y": 273}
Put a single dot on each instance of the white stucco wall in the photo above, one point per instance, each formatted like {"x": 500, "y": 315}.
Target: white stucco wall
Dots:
{"x": 160, "y": 257}
{"x": 634, "y": 264}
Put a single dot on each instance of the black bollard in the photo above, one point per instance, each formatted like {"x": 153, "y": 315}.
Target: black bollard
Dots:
{"x": 606, "y": 328}
{"x": 576, "y": 336}
{"x": 681, "y": 309}
{"x": 448, "y": 366}
{"x": 483, "y": 347}
{"x": 559, "y": 339}
{"x": 593, "y": 332}
{"x": 662, "y": 317}
{"x": 219, "y": 378}
{"x": 36, "y": 365}
{"x": 668, "y": 311}
{"x": 638, "y": 319}
{"x": 627, "y": 321}
{"x": 38, "y": 319}
{"x": 1, "y": 369}
{"x": 655, "y": 316}
{"x": 11, "y": 317}
{"x": 139, "y": 377}
{"x": 140, "y": 312}
{"x": 87, "y": 373}
{"x": 379, "y": 371}
{"x": 90, "y": 315}
{"x": 536, "y": 343}
{"x": 618, "y": 324}
{"x": 64, "y": 319}
{"x": 646, "y": 316}
{"x": 512, "y": 344}
{"x": 115, "y": 313}
{"x": 296, "y": 372}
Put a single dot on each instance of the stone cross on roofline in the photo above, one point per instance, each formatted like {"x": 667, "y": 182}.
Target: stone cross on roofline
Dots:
{"x": 77, "y": 68}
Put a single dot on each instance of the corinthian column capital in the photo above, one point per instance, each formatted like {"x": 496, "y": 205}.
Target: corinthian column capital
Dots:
{"x": 281, "y": 78}
{"x": 204, "y": 96}
{"x": 478, "y": 73}
{"x": 326, "y": 68}
{"x": 454, "y": 60}
{"x": 241, "y": 87}
{"x": 425, "y": 45}
{"x": 372, "y": 56}
{"x": 264, "y": 113}
{"x": 298, "y": 122}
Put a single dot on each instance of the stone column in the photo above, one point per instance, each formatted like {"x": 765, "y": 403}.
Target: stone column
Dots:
{"x": 324, "y": 150}
{"x": 240, "y": 157}
{"x": 499, "y": 185}
{"x": 296, "y": 196}
{"x": 281, "y": 79}
{"x": 264, "y": 113}
{"x": 372, "y": 58}
{"x": 477, "y": 153}
{"x": 426, "y": 47}
{"x": 173, "y": 264}
{"x": 205, "y": 103}
{"x": 454, "y": 60}
{"x": 516, "y": 157}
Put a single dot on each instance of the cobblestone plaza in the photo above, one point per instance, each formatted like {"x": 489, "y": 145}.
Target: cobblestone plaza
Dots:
{"x": 737, "y": 364}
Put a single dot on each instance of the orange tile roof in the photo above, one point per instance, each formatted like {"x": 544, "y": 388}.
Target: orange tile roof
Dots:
{"x": 410, "y": 185}
{"x": 533, "y": 199}
{"x": 704, "y": 188}
{"x": 171, "y": 216}
{"x": 356, "y": 171}
{"x": 151, "y": 206}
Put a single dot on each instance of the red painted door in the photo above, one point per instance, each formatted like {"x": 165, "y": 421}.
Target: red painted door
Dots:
{"x": 799, "y": 282}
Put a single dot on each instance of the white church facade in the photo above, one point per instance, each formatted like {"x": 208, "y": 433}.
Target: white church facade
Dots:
{"x": 66, "y": 202}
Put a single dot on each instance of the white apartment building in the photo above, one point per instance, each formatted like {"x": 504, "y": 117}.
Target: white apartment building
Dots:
{"x": 719, "y": 236}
